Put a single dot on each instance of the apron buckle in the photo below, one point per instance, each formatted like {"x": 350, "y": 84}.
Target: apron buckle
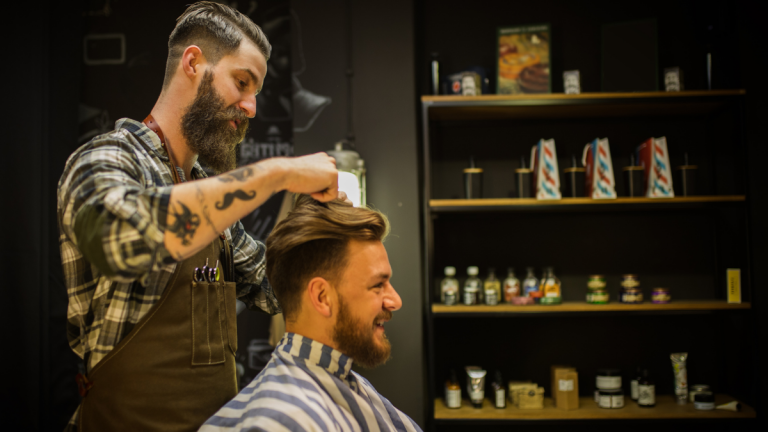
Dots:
{"x": 83, "y": 385}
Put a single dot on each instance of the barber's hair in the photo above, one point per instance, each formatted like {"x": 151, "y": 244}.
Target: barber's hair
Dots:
{"x": 217, "y": 29}
{"x": 312, "y": 242}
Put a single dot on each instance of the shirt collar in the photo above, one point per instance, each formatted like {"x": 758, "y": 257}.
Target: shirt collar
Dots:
{"x": 316, "y": 353}
{"x": 152, "y": 141}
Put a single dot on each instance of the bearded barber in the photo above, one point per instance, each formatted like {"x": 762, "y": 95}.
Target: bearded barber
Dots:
{"x": 140, "y": 221}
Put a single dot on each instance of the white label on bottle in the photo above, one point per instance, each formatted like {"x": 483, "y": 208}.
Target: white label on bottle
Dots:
{"x": 450, "y": 298}
{"x": 617, "y": 401}
{"x": 608, "y": 382}
{"x": 470, "y": 298}
{"x": 646, "y": 395}
{"x": 500, "y": 402}
{"x": 491, "y": 298}
{"x": 633, "y": 389}
{"x": 604, "y": 401}
{"x": 565, "y": 385}
{"x": 453, "y": 398}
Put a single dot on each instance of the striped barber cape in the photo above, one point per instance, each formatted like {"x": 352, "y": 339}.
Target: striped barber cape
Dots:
{"x": 309, "y": 386}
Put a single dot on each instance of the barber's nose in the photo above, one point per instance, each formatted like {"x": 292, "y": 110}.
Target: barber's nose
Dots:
{"x": 392, "y": 300}
{"x": 248, "y": 105}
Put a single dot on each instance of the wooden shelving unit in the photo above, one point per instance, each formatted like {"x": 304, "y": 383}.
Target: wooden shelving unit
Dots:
{"x": 689, "y": 305}
{"x": 665, "y": 409}
{"x": 685, "y": 243}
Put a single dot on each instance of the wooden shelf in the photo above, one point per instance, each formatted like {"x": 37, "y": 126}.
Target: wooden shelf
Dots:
{"x": 665, "y": 408}
{"x": 454, "y": 205}
{"x": 682, "y": 305}
{"x": 560, "y": 105}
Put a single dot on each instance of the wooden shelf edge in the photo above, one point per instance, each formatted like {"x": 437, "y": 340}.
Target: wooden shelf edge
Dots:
{"x": 665, "y": 408}
{"x": 512, "y": 202}
{"x": 583, "y": 96}
{"x": 682, "y": 305}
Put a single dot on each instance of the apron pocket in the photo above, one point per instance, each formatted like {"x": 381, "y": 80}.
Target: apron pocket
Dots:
{"x": 230, "y": 306}
{"x": 207, "y": 323}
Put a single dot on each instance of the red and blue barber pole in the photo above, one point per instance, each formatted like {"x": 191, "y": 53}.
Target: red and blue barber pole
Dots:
{"x": 654, "y": 156}
{"x": 599, "y": 180}
{"x": 546, "y": 177}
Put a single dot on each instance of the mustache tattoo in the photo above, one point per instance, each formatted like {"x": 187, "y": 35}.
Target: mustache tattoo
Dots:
{"x": 229, "y": 198}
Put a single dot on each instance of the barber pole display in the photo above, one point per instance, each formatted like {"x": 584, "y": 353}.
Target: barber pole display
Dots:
{"x": 654, "y": 157}
{"x": 599, "y": 180}
{"x": 546, "y": 177}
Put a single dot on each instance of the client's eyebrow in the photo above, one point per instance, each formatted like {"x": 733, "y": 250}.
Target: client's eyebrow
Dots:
{"x": 381, "y": 277}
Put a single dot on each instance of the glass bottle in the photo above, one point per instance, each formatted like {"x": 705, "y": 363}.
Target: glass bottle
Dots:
{"x": 449, "y": 287}
{"x": 634, "y": 383}
{"x": 511, "y": 286}
{"x": 530, "y": 283}
{"x": 452, "y": 391}
{"x": 550, "y": 287}
{"x": 492, "y": 288}
{"x": 646, "y": 391}
{"x": 499, "y": 394}
{"x": 472, "y": 291}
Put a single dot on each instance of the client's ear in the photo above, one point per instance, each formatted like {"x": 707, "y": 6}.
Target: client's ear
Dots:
{"x": 319, "y": 292}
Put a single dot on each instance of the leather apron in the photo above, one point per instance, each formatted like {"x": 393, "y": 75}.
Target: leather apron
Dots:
{"x": 176, "y": 368}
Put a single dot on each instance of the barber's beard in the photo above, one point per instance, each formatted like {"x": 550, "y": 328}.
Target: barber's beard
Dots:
{"x": 207, "y": 128}
{"x": 356, "y": 338}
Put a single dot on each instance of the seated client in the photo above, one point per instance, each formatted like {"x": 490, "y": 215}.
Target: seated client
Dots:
{"x": 330, "y": 273}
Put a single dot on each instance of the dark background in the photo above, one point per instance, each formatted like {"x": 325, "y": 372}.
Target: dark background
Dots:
{"x": 45, "y": 78}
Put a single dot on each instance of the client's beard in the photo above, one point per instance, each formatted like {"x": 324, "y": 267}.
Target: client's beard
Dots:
{"x": 206, "y": 127}
{"x": 356, "y": 339}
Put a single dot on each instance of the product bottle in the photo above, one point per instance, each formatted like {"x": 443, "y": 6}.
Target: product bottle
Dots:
{"x": 472, "y": 286}
{"x": 530, "y": 283}
{"x": 449, "y": 287}
{"x": 492, "y": 288}
{"x": 633, "y": 384}
{"x": 499, "y": 395}
{"x": 550, "y": 287}
{"x": 452, "y": 391}
{"x": 511, "y": 286}
{"x": 646, "y": 391}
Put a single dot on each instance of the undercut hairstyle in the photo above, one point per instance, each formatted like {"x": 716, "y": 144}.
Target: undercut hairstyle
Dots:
{"x": 217, "y": 29}
{"x": 312, "y": 241}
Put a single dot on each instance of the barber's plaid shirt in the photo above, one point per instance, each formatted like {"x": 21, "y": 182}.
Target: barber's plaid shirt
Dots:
{"x": 112, "y": 205}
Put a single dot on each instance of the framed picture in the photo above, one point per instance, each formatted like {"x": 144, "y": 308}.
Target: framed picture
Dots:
{"x": 523, "y": 59}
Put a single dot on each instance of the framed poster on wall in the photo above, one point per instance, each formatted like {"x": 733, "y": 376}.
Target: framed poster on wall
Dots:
{"x": 523, "y": 59}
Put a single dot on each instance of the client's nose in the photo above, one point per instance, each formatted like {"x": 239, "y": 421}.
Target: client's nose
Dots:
{"x": 392, "y": 300}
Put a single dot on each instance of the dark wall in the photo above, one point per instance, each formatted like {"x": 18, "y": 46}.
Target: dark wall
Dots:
{"x": 385, "y": 127}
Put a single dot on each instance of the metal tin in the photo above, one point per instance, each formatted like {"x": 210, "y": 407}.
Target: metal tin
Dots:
{"x": 704, "y": 401}
{"x": 596, "y": 282}
{"x": 660, "y": 296}
{"x": 598, "y": 297}
{"x": 696, "y": 389}
{"x": 631, "y": 296}
{"x": 611, "y": 398}
{"x": 608, "y": 379}
{"x": 630, "y": 281}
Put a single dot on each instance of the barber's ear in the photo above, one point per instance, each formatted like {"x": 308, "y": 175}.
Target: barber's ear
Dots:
{"x": 193, "y": 61}
{"x": 321, "y": 297}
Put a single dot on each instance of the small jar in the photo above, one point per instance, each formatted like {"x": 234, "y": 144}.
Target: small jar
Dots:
{"x": 704, "y": 401}
{"x": 630, "y": 281}
{"x": 696, "y": 389}
{"x": 608, "y": 379}
{"x": 631, "y": 296}
{"x": 598, "y": 297}
{"x": 660, "y": 296}
{"x": 536, "y": 296}
{"x": 596, "y": 283}
{"x": 611, "y": 399}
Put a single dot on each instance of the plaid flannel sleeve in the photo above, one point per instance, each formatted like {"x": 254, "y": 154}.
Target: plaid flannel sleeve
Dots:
{"x": 108, "y": 212}
{"x": 253, "y": 288}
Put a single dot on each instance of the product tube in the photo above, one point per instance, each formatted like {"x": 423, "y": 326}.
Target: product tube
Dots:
{"x": 476, "y": 385}
{"x": 681, "y": 377}
{"x": 730, "y": 406}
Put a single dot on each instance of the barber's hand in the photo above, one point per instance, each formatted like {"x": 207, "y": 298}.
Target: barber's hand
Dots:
{"x": 315, "y": 175}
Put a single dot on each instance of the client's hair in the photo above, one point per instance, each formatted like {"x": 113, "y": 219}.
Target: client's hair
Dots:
{"x": 312, "y": 241}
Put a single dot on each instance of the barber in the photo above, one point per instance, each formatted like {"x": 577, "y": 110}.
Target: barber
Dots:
{"x": 153, "y": 251}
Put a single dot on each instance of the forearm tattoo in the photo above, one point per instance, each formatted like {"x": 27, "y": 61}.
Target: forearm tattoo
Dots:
{"x": 186, "y": 223}
{"x": 229, "y": 198}
{"x": 240, "y": 175}
{"x": 204, "y": 208}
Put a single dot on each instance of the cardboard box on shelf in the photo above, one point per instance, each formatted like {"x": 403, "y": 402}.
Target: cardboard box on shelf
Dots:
{"x": 515, "y": 387}
{"x": 531, "y": 399}
{"x": 565, "y": 388}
